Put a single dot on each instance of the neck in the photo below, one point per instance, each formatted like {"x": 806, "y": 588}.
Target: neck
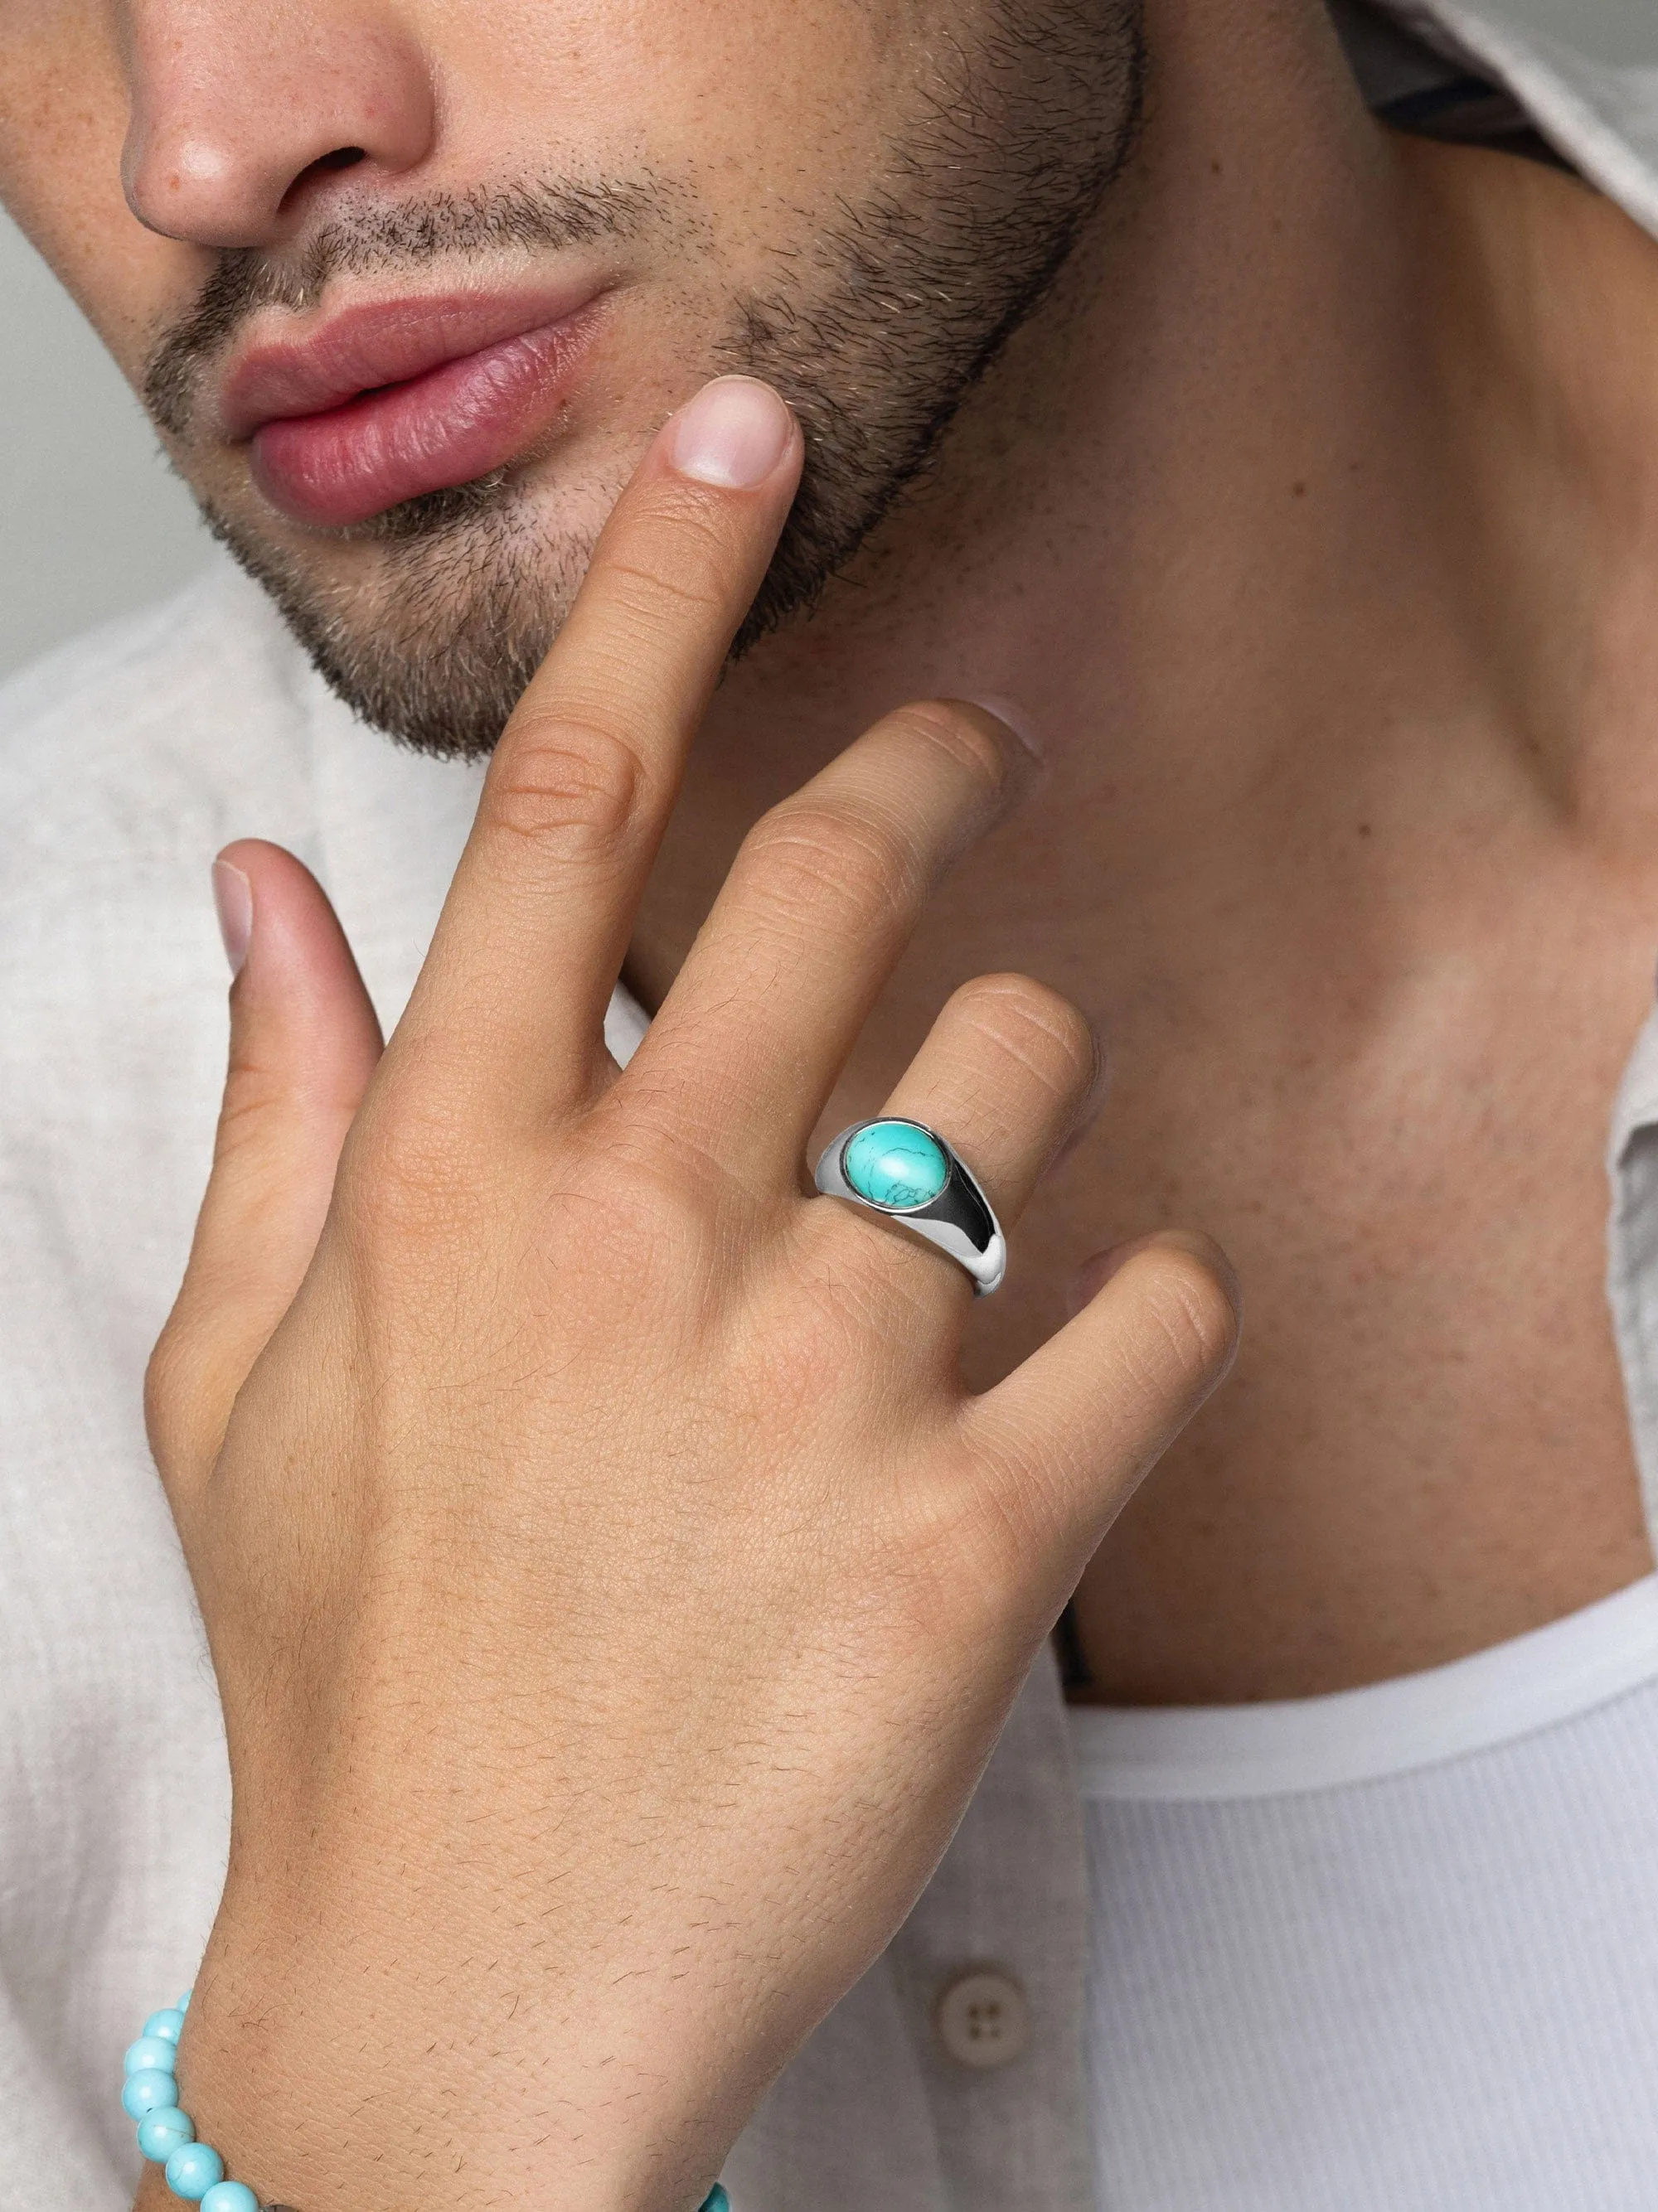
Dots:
{"x": 1297, "y": 401}
{"x": 1307, "y": 524}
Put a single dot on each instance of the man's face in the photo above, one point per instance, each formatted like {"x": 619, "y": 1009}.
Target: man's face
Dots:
{"x": 408, "y": 284}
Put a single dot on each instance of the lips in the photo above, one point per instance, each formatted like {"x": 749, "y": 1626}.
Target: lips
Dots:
{"x": 390, "y": 400}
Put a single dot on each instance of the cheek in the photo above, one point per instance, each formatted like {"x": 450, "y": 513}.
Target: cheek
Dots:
{"x": 63, "y": 122}
{"x": 768, "y": 109}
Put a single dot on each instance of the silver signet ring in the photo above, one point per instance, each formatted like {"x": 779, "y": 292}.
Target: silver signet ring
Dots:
{"x": 912, "y": 1175}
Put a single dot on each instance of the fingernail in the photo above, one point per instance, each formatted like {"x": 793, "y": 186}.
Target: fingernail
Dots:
{"x": 1008, "y": 711}
{"x": 733, "y": 434}
{"x": 233, "y": 895}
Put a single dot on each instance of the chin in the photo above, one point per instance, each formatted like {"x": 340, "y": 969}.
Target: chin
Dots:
{"x": 429, "y": 620}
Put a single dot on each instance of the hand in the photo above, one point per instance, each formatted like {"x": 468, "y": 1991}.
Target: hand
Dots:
{"x": 613, "y": 1593}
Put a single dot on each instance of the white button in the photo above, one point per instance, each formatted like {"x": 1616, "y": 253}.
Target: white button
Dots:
{"x": 984, "y": 2020}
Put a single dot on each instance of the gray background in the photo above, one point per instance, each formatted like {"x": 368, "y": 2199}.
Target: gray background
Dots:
{"x": 91, "y": 521}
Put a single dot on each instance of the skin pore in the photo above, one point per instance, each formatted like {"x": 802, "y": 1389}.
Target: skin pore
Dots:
{"x": 1312, "y": 525}
{"x": 868, "y": 268}
{"x": 1324, "y": 564}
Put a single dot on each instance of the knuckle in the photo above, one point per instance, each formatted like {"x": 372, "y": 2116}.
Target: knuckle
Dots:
{"x": 1034, "y": 1025}
{"x": 635, "y": 1211}
{"x": 959, "y": 733}
{"x": 176, "y": 1384}
{"x": 165, "y": 1388}
{"x": 1189, "y": 1299}
{"x": 567, "y": 785}
{"x": 808, "y": 853}
{"x": 867, "y": 1286}
{"x": 679, "y": 574}
{"x": 1023, "y": 1489}
{"x": 258, "y": 1095}
{"x": 407, "y": 1171}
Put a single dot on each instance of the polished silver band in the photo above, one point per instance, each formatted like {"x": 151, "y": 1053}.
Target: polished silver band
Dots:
{"x": 959, "y": 1219}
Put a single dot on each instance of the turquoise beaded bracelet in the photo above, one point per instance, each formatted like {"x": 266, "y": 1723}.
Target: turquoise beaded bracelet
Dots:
{"x": 150, "y": 2096}
{"x": 167, "y": 2136}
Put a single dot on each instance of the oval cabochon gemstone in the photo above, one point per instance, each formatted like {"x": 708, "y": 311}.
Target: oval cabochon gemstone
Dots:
{"x": 895, "y": 1163}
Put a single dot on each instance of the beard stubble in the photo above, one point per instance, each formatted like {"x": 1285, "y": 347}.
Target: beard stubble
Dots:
{"x": 874, "y": 332}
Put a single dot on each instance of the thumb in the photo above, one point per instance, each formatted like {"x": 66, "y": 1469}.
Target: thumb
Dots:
{"x": 304, "y": 1041}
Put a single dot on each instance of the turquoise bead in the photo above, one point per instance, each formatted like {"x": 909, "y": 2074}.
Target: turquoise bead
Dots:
{"x": 192, "y": 2169}
{"x": 149, "y": 2090}
{"x": 183, "y": 2004}
{"x": 717, "y": 2200}
{"x": 160, "y": 2132}
{"x": 168, "y": 2024}
{"x": 230, "y": 2196}
{"x": 896, "y": 1164}
{"x": 151, "y": 2050}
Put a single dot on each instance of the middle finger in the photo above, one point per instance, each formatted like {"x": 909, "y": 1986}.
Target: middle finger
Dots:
{"x": 820, "y": 902}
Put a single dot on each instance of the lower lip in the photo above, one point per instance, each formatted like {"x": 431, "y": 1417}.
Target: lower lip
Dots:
{"x": 451, "y": 426}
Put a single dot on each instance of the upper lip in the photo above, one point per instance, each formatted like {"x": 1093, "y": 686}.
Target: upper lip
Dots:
{"x": 374, "y": 343}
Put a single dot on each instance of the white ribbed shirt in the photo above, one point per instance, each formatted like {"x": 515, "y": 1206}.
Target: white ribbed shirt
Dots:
{"x": 1390, "y": 1951}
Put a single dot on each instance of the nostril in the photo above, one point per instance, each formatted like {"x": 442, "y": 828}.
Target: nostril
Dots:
{"x": 343, "y": 157}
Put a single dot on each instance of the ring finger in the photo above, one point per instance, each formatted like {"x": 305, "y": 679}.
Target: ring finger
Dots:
{"x": 1009, "y": 1073}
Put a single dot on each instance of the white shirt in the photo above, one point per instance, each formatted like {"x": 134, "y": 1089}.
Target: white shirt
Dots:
{"x": 125, "y": 763}
{"x": 1391, "y": 1951}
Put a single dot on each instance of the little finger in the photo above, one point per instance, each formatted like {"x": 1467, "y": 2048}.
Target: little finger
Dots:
{"x": 1065, "y": 1438}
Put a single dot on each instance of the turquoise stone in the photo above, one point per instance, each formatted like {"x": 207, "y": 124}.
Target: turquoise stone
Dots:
{"x": 149, "y": 2090}
{"x": 230, "y": 2196}
{"x": 895, "y": 1163}
{"x": 717, "y": 2200}
{"x": 151, "y": 2050}
{"x": 160, "y": 2132}
{"x": 168, "y": 2024}
{"x": 192, "y": 2171}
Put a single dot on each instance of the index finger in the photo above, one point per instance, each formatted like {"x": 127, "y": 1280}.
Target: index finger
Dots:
{"x": 536, "y": 924}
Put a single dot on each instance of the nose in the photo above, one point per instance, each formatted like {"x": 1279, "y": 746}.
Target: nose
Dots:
{"x": 242, "y": 111}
